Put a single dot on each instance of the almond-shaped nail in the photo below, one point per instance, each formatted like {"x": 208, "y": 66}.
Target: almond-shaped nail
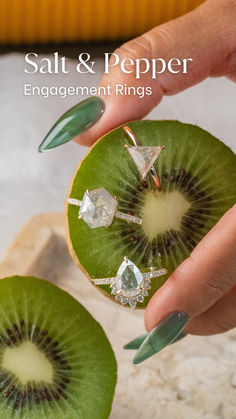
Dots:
{"x": 137, "y": 342}
{"x": 179, "y": 337}
{"x": 161, "y": 336}
{"x": 74, "y": 122}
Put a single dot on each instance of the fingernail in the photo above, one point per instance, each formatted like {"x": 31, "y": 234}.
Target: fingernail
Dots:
{"x": 161, "y": 336}
{"x": 75, "y": 121}
{"x": 179, "y": 337}
{"x": 136, "y": 343}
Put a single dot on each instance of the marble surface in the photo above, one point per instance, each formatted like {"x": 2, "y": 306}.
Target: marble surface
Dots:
{"x": 30, "y": 182}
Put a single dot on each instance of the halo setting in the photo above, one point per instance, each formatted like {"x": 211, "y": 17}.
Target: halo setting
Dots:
{"x": 130, "y": 286}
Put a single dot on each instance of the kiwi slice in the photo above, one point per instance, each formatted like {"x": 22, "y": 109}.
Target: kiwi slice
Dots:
{"x": 198, "y": 176}
{"x": 55, "y": 360}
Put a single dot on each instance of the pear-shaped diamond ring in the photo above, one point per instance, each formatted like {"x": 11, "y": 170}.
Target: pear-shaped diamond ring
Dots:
{"x": 130, "y": 285}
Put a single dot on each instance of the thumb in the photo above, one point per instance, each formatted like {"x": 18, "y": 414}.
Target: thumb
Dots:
{"x": 197, "y": 45}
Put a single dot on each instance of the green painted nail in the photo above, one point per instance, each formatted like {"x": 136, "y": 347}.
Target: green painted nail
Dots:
{"x": 136, "y": 343}
{"x": 161, "y": 336}
{"x": 75, "y": 121}
{"x": 179, "y": 337}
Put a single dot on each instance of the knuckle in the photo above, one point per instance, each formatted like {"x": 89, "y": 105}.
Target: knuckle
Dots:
{"x": 218, "y": 282}
{"x": 216, "y": 286}
{"x": 220, "y": 327}
{"x": 224, "y": 325}
{"x": 136, "y": 48}
{"x": 217, "y": 279}
{"x": 146, "y": 44}
{"x": 165, "y": 34}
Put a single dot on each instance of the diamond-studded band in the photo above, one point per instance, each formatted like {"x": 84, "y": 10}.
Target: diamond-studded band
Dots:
{"x": 146, "y": 275}
{"x": 155, "y": 273}
{"x": 118, "y": 214}
{"x": 103, "y": 281}
{"x": 127, "y": 217}
{"x": 73, "y": 201}
{"x": 130, "y": 286}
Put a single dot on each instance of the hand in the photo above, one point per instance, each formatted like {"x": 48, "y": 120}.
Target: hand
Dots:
{"x": 204, "y": 285}
{"x": 199, "y": 297}
{"x": 207, "y": 34}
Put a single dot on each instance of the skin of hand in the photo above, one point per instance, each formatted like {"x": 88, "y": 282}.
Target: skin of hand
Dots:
{"x": 207, "y": 35}
{"x": 204, "y": 285}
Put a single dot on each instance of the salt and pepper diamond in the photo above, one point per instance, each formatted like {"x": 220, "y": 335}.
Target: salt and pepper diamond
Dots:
{"x": 144, "y": 157}
{"x": 129, "y": 279}
{"x": 130, "y": 285}
{"x": 98, "y": 208}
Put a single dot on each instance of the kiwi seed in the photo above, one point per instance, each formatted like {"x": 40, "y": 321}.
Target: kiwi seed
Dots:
{"x": 52, "y": 353}
{"x": 198, "y": 176}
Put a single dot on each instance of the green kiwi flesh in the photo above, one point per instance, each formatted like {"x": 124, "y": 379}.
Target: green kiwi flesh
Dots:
{"x": 198, "y": 177}
{"x": 55, "y": 360}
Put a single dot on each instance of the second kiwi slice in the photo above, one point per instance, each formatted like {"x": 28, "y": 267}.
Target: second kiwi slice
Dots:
{"x": 198, "y": 177}
{"x": 55, "y": 359}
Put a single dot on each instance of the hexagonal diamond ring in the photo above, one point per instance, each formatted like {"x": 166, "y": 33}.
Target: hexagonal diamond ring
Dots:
{"x": 98, "y": 208}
